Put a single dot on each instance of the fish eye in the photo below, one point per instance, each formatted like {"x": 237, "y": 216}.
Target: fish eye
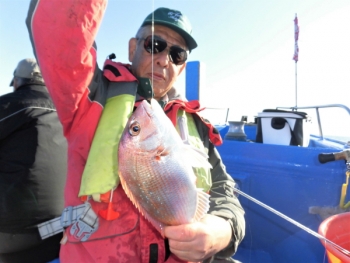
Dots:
{"x": 134, "y": 128}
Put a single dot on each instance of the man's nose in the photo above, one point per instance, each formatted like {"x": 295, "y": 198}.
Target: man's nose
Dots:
{"x": 162, "y": 59}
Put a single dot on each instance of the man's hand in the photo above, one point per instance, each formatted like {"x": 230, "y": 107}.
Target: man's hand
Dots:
{"x": 197, "y": 241}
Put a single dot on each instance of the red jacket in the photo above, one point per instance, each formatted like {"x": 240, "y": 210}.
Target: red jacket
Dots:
{"x": 63, "y": 34}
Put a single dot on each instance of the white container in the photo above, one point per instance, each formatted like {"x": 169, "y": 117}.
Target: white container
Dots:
{"x": 283, "y": 128}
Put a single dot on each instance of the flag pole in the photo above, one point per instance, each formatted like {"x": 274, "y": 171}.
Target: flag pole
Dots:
{"x": 296, "y": 56}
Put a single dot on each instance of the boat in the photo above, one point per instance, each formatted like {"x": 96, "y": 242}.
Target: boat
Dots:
{"x": 287, "y": 191}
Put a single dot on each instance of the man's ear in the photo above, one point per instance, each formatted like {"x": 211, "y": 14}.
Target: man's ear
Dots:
{"x": 132, "y": 48}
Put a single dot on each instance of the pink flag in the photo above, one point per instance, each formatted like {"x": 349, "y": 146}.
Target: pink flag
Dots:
{"x": 296, "y": 36}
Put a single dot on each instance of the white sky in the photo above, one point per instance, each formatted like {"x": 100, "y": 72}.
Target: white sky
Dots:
{"x": 246, "y": 46}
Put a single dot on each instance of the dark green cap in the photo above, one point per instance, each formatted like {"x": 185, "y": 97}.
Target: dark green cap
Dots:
{"x": 175, "y": 20}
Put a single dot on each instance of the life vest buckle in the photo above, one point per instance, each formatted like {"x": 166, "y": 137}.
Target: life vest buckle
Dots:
{"x": 85, "y": 225}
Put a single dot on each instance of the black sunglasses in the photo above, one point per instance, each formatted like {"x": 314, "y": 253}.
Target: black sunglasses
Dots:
{"x": 177, "y": 55}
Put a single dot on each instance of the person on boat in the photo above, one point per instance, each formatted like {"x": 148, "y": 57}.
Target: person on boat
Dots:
{"x": 94, "y": 105}
{"x": 33, "y": 164}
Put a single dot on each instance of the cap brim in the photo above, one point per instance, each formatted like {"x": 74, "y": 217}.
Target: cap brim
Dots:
{"x": 191, "y": 43}
{"x": 11, "y": 84}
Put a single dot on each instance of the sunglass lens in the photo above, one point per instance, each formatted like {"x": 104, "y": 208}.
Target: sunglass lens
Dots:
{"x": 178, "y": 55}
{"x": 158, "y": 45}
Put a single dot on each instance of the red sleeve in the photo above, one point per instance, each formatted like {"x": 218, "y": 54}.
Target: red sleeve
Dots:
{"x": 63, "y": 34}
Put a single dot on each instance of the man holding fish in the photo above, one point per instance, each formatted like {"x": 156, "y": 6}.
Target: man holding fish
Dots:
{"x": 138, "y": 191}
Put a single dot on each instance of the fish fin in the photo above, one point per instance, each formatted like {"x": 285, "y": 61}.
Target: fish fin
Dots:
{"x": 202, "y": 204}
{"x": 157, "y": 225}
{"x": 127, "y": 191}
{"x": 197, "y": 157}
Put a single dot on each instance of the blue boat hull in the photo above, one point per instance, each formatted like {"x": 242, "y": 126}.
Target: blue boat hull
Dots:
{"x": 289, "y": 179}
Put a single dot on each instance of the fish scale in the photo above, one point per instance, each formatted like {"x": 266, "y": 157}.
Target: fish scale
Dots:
{"x": 169, "y": 189}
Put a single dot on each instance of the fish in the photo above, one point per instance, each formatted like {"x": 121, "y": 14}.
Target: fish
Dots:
{"x": 156, "y": 169}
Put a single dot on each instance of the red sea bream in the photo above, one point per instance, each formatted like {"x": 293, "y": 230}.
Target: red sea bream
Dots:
{"x": 155, "y": 169}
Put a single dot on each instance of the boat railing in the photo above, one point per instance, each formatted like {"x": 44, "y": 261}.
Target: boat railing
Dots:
{"x": 317, "y": 107}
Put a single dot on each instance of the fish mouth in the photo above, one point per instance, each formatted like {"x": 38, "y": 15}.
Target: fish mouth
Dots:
{"x": 148, "y": 106}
